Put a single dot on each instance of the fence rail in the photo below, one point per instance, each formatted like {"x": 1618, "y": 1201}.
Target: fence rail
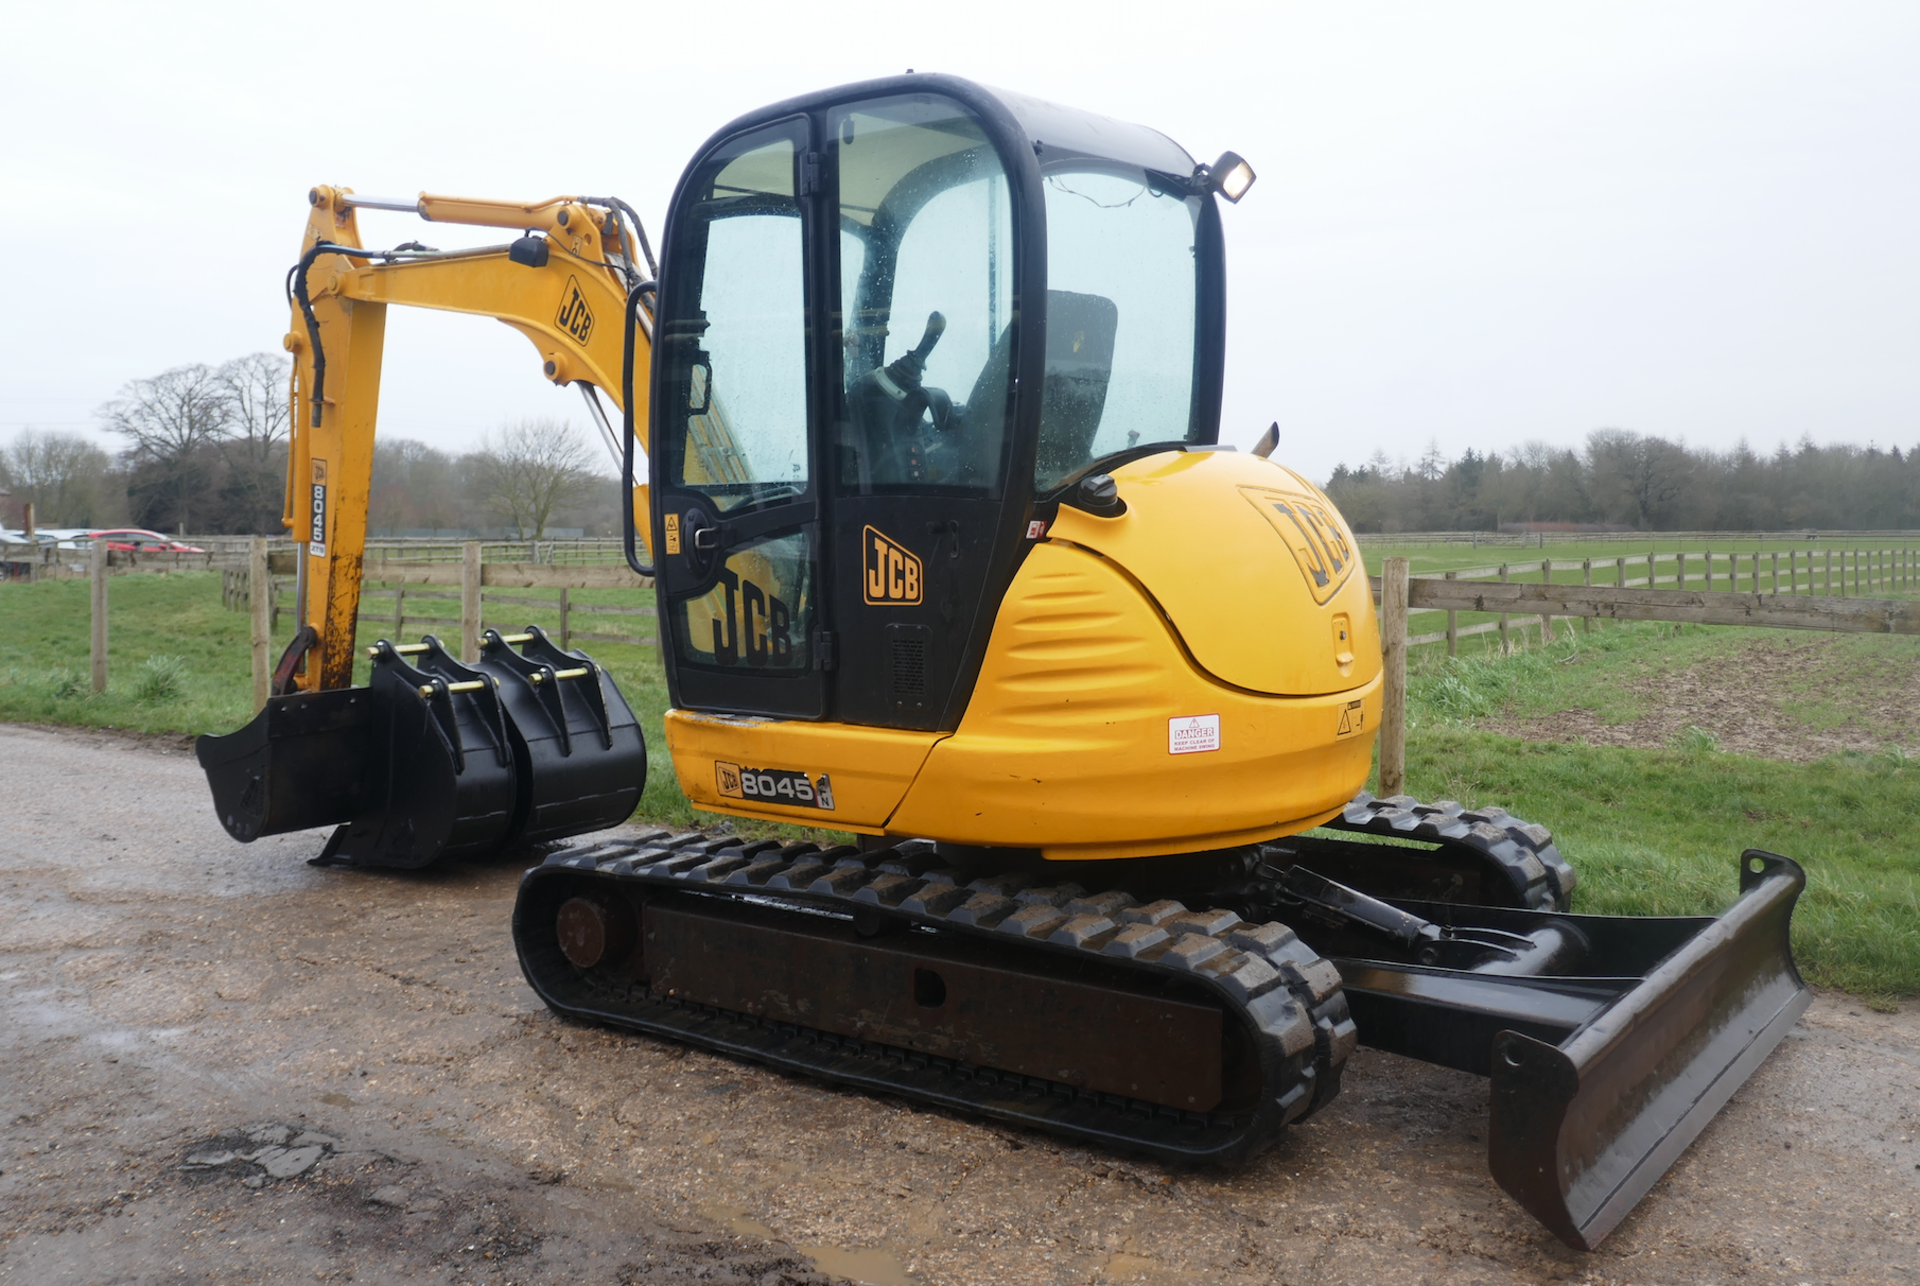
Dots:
{"x": 1399, "y": 595}
{"x": 1540, "y": 539}
{"x": 399, "y": 620}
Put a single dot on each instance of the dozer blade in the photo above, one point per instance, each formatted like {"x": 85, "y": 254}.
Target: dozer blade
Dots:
{"x": 1581, "y": 1130}
{"x": 1610, "y": 1041}
{"x": 434, "y": 758}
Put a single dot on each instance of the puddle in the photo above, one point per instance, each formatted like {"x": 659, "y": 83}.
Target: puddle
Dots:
{"x": 872, "y": 1267}
{"x": 337, "y": 1100}
{"x": 868, "y": 1267}
{"x": 736, "y": 1222}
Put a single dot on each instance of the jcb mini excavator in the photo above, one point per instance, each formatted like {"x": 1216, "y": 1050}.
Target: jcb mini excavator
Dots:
{"x": 948, "y": 556}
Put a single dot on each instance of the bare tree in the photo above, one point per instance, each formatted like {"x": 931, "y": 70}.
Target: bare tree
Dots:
{"x": 255, "y": 445}
{"x": 528, "y": 469}
{"x": 258, "y": 400}
{"x": 169, "y": 418}
{"x": 61, "y": 473}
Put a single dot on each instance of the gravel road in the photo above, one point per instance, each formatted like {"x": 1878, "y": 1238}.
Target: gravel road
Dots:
{"x": 218, "y": 1064}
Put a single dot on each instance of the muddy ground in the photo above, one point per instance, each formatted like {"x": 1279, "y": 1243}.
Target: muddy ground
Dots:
{"x": 218, "y": 1064}
{"x": 1797, "y": 698}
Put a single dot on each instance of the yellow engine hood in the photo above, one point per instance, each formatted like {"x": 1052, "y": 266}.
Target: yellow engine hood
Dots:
{"x": 1251, "y": 563}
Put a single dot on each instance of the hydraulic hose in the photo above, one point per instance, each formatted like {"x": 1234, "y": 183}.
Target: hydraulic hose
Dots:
{"x": 299, "y": 280}
{"x": 627, "y": 427}
{"x": 297, "y": 287}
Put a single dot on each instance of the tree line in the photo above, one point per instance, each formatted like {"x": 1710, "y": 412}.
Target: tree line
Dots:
{"x": 206, "y": 454}
{"x": 1621, "y": 480}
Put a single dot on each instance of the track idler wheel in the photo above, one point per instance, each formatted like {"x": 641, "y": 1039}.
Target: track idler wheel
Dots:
{"x": 593, "y": 933}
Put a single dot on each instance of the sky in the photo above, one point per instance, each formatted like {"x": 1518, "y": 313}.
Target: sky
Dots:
{"x": 1476, "y": 224}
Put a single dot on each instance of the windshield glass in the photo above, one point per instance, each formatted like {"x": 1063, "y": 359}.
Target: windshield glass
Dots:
{"x": 926, "y": 270}
{"x": 1122, "y": 281}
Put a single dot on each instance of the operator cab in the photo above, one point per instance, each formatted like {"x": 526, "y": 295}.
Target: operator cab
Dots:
{"x": 899, "y": 324}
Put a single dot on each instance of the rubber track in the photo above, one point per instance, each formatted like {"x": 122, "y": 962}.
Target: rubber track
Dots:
{"x": 1524, "y": 853}
{"x": 1289, "y": 996}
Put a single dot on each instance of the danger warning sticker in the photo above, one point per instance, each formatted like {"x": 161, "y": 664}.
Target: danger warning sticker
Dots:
{"x": 1192, "y": 733}
{"x": 1353, "y": 717}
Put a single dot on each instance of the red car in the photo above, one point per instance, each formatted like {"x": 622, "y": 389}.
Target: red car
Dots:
{"x": 142, "y": 541}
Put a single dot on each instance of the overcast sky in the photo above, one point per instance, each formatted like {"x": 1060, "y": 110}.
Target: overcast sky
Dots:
{"x": 1476, "y": 224}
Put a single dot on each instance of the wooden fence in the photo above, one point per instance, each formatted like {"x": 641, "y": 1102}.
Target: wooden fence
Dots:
{"x": 1400, "y": 596}
{"x": 1541, "y": 539}
{"x": 464, "y": 598}
{"x": 1828, "y": 573}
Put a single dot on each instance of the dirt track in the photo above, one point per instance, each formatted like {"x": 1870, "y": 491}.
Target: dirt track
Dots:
{"x": 171, "y": 995}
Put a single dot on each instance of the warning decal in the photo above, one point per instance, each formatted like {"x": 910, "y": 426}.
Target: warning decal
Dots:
{"x": 1190, "y": 734}
{"x": 1353, "y": 717}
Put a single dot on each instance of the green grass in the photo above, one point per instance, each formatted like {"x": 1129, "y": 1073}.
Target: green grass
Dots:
{"x": 1658, "y": 832}
{"x": 1651, "y": 832}
{"x": 176, "y": 661}
{"x": 180, "y": 663}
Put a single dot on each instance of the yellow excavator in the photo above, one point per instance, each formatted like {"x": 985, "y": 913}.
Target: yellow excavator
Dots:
{"x": 948, "y": 555}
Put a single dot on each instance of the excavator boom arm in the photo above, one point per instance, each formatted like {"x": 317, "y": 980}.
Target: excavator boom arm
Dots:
{"x": 564, "y": 283}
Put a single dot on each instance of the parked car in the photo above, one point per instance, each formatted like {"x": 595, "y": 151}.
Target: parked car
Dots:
{"x": 142, "y": 541}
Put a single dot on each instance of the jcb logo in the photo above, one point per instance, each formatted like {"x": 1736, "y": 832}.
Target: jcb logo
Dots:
{"x": 575, "y": 317}
{"x": 1315, "y": 536}
{"x": 893, "y": 574}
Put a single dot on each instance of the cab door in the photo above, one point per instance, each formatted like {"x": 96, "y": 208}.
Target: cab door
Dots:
{"x": 926, "y": 314}
{"x": 737, "y": 514}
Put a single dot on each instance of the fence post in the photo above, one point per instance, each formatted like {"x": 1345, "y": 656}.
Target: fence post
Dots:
{"x": 1586, "y": 578}
{"x": 1680, "y": 570}
{"x": 273, "y": 600}
{"x": 1546, "y": 578}
{"x": 1652, "y": 579}
{"x": 470, "y": 602}
{"x": 1453, "y": 625}
{"x": 400, "y": 607}
{"x": 98, "y": 647}
{"x": 566, "y": 621}
{"x": 1708, "y": 555}
{"x": 1776, "y": 573}
{"x": 1393, "y": 696}
{"x": 260, "y": 617}
{"x": 1503, "y": 615}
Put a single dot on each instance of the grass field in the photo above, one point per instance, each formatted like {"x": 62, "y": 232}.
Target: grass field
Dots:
{"x": 1652, "y": 830}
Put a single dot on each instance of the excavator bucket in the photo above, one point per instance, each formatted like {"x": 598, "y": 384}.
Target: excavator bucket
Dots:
{"x": 1603, "y": 1073}
{"x": 434, "y": 758}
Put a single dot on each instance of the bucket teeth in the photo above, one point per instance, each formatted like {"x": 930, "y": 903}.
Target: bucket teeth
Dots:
{"x": 434, "y": 758}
